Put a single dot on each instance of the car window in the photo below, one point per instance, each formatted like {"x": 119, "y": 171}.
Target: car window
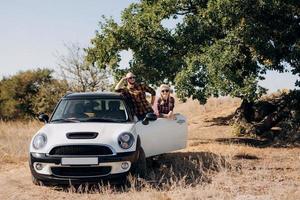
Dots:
{"x": 60, "y": 109}
{"x": 91, "y": 110}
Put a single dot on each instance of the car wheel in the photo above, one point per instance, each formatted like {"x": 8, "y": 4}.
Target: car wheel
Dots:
{"x": 139, "y": 168}
{"x": 153, "y": 162}
{"x": 35, "y": 181}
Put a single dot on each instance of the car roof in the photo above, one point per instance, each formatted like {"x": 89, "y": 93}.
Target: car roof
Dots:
{"x": 105, "y": 95}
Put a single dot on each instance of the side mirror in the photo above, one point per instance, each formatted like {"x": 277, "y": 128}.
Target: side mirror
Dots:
{"x": 149, "y": 117}
{"x": 43, "y": 118}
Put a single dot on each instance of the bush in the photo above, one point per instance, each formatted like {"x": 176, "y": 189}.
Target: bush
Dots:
{"x": 48, "y": 96}
{"x": 26, "y": 93}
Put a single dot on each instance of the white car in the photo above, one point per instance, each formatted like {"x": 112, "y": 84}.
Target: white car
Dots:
{"x": 94, "y": 136}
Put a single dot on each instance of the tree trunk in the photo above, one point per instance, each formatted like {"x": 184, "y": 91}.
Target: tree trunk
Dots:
{"x": 245, "y": 113}
{"x": 268, "y": 122}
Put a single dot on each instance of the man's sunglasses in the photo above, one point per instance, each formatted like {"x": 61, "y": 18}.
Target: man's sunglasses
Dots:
{"x": 164, "y": 91}
{"x": 131, "y": 77}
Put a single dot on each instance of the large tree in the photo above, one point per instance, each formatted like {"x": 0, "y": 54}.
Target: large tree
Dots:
{"x": 218, "y": 47}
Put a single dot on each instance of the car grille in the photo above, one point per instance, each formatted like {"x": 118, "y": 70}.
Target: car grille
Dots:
{"x": 81, "y": 150}
{"x": 80, "y": 171}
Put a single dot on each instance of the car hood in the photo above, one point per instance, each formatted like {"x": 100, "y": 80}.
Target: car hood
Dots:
{"x": 108, "y": 135}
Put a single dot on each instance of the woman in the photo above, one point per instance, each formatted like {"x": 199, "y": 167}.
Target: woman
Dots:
{"x": 165, "y": 103}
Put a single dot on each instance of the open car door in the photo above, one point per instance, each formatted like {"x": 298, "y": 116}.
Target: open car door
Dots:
{"x": 163, "y": 135}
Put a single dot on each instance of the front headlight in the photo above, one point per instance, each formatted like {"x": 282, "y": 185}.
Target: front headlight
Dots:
{"x": 39, "y": 141}
{"x": 125, "y": 140}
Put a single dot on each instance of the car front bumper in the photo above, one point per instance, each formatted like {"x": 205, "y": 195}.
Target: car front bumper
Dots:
{"x": 51, "y": 170}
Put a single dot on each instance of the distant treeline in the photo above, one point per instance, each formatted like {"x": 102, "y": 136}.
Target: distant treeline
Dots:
{"x": 28, "y": 93}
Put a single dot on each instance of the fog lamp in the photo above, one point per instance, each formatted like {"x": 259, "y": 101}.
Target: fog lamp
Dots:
{"x": 39, "y": 166}
{"x": 124, "y": 165}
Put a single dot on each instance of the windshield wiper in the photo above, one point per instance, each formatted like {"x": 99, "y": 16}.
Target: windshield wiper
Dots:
{"x": 103, "y": 120}
{"x": 65, "y": 120}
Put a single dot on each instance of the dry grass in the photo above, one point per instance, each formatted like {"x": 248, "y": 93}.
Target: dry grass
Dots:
{"x": 14, "y": 140}
{"x": 214, "y": 166}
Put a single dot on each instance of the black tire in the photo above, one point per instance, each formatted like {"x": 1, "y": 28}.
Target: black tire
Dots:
{"x": 153, "y": 162}
{"x": 139, "y": 168}
{"x": 35, "y": 181}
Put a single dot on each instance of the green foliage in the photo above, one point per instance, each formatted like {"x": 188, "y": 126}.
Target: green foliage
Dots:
{"x": 220, "y": 47}
{"x": 49, "y": 95}
{"x": 22, "y": 95}
{"x": 195, "y": 75}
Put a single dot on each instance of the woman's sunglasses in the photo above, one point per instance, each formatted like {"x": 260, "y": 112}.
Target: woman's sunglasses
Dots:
{"x": 164, "y": 91}
{"x": 131, "y": 78}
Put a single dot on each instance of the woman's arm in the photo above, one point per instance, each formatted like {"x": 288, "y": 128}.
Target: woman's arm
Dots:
{"x": 171, "y": 103}
{"x": 171, "y": 107}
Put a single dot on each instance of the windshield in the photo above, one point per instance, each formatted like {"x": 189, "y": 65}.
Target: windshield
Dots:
{"x": 90, "y": 110}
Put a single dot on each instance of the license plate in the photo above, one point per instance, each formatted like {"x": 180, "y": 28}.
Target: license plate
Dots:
{"x": 79, "y": 161}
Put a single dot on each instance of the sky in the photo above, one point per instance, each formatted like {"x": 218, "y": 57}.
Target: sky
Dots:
{"x": 33, "y": 32}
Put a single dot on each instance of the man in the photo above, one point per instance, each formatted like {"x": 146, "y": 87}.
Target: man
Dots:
{"x": 136, "y": 92}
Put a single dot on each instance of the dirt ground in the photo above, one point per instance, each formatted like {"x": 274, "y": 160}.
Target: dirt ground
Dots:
{"x": 253, "y": 170}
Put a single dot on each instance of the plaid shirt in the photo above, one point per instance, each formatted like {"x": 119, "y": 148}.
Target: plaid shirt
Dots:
{"x": 166, "y": 106}
{"x": 137, "y": 94}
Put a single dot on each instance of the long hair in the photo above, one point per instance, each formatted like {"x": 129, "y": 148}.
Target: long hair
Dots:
{"x": 163, "y": 101}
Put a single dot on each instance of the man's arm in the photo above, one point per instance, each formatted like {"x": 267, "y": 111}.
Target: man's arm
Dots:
{"x": 152, "y": 100}
{"x": 151, "y": 91}
{"x": 120, "y": 85}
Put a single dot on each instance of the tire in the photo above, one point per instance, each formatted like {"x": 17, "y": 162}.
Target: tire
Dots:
{"x": 153, "y": 162}
{"x": 139, "y": 168}
{"x": 35, "y": 181}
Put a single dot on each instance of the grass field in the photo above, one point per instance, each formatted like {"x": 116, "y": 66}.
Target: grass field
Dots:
{"x": 215, "y": 165}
